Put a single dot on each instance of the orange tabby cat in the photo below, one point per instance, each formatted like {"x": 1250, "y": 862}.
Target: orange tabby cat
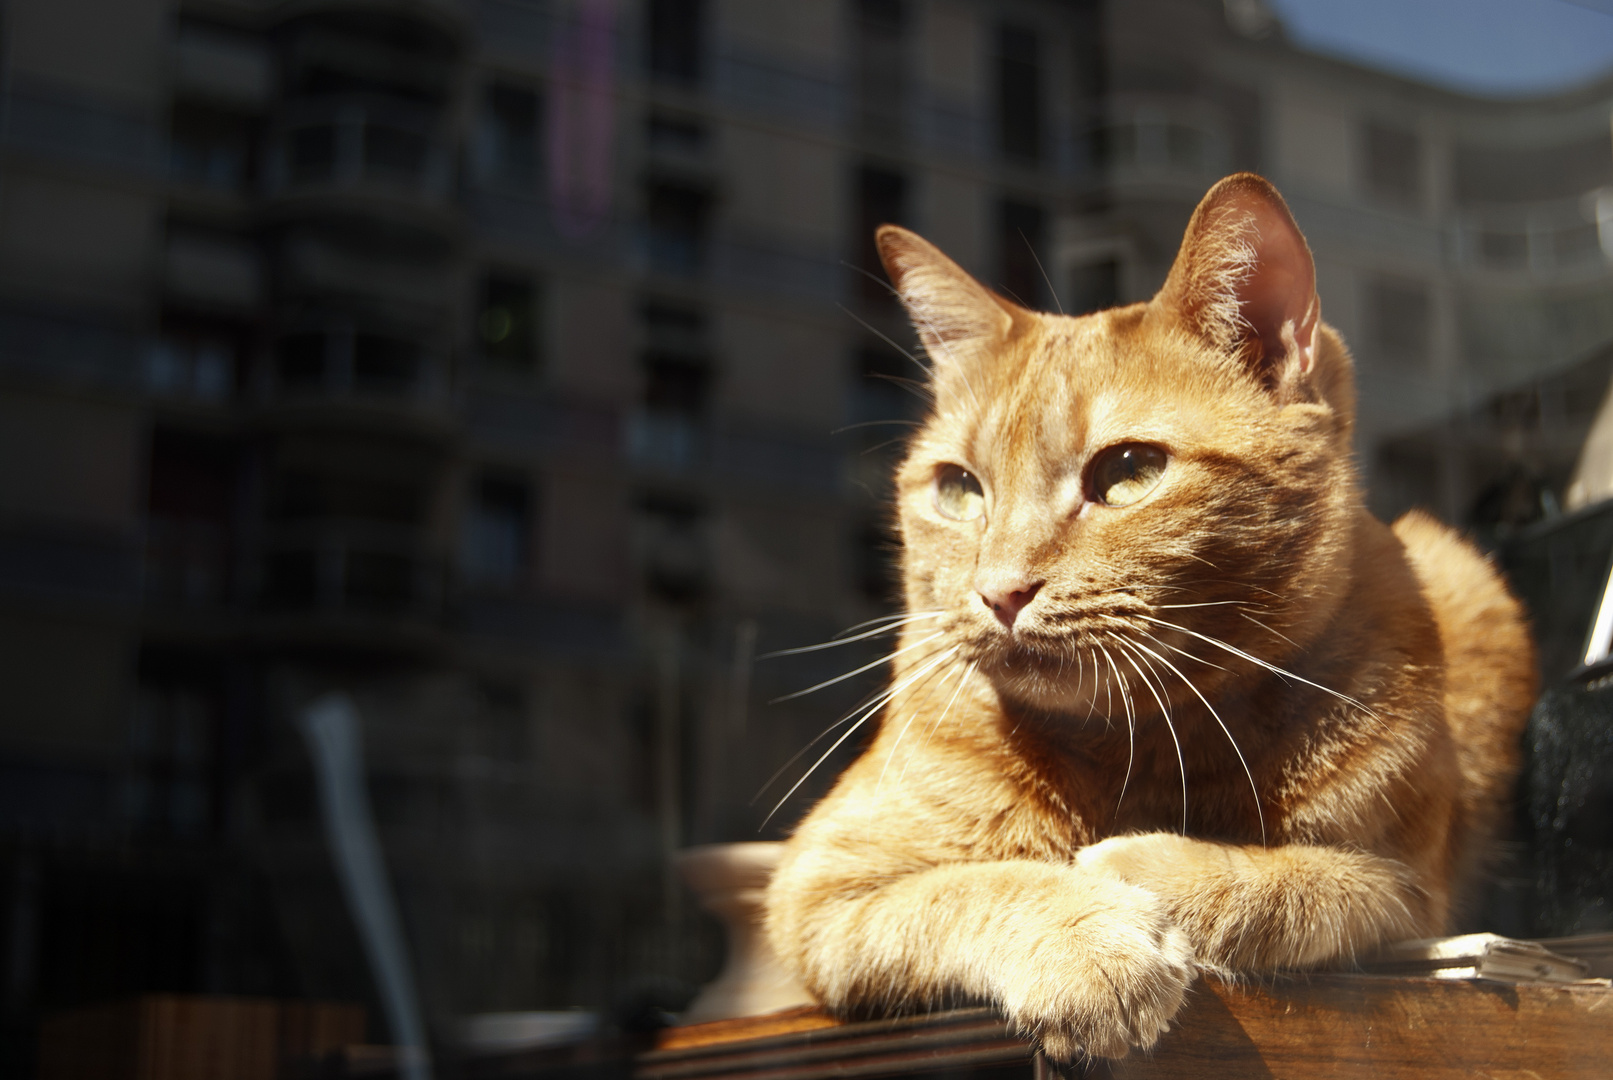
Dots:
{"x": 1167, "y": 698}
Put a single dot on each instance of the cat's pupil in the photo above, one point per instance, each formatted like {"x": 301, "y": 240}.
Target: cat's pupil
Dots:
{"x": 1122, "y": 475}
{"x": 958, "y": 495}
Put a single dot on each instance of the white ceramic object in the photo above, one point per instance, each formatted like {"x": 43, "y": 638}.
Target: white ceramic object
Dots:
{"x": 730, "y": 880}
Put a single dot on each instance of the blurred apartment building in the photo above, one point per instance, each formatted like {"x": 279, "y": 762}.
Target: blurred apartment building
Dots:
{"x": 520, "y": 368}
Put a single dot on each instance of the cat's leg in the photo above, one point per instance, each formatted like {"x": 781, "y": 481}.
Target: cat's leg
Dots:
{"x": 1253, "y": 908}
{"x": 1084, "y": 964}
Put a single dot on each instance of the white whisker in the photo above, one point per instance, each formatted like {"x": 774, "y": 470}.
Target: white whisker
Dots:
{"x": 1181, "y": 764}
{"x": 861, "y": 719}
{"x": 1259, "y": 810}
{"x": 1269, "y": 630}
{"x": 877, "y": 333}
{"x": 890, "y": 623}
{"x": 1273, "y": 668}
{"x": 1207, "y": 603}
{"x": 1131, "y": 729}
{"x": 1092, "y": 702}
{"x": 858, "y": 671}
{"x": 903, "y": 733}
{"x": 816, "y": 739}
{"x": 968, "y": 671}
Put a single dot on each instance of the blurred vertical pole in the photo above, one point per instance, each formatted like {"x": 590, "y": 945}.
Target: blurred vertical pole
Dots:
{"x": 330, "y": 726}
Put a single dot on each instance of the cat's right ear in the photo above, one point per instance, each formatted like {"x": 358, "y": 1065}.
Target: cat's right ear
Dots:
{"x": 960, "y": 321}
{"x": 1245, "y": 283}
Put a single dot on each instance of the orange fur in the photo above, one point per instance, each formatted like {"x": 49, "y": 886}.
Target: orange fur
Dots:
{"x": 1016, "y": 831}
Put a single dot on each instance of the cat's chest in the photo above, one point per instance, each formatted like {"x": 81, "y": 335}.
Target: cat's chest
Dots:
{"x": 1050, "y": 817}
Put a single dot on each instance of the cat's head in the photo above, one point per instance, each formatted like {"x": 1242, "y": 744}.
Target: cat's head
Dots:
{"x": 1091, "y": 493}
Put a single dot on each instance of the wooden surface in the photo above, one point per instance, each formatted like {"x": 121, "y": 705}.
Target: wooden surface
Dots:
{"x": 1294, "y": 1028}
{"x": 964, "y": 1039}
{"x": 192, "y": 1037}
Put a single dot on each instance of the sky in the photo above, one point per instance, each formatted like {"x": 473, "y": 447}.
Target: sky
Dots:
{"x": 1493, "y": 48}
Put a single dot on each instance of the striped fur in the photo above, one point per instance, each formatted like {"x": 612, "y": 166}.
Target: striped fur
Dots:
{"x": 1241, "y": 725}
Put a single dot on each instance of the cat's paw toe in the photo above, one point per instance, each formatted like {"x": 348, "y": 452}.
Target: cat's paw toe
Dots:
{"x": 1120, "y": 987}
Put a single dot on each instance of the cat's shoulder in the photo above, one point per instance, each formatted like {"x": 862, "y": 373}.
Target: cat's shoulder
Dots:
{"x": 1458, "y": 580}
{"x": 1484, "y": 633}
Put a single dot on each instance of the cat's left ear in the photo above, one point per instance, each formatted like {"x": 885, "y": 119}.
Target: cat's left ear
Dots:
{"x": 1244, "y": 281}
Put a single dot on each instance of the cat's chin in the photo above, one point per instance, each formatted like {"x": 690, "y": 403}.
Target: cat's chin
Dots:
{"x": 1046, "y": 684}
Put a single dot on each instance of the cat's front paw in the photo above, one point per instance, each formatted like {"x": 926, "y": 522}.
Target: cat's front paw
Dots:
{"x": 1111, "y": 979}
{"x": 1153, "y": 861}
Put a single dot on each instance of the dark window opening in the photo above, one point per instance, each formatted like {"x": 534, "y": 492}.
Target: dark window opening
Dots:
{"x": 673, "y": 547}
{"x": 880, "y": 60}
{"x": 500, "y": 731}
{"x": 1392, "y": 164}
{"x": 191, "y": 508}
{"x": 1021, "y": 243}
{"x": 1019, "y": 94}
{"x": 671, "y": 326}
{"x": 209, "y": 148}
{"x": 508, "y": 326}
{"x": 300, "y": 361}
{"x": 677, "y": 228}
{"x": 1503, "y": 250}
{"x": 385, "y": 365}
{"x": 497, "y": 530}
{"x": 668, "y": 430}
{"x": 672, "y": 135}
{"x": 676, "y": 41}
{"x": 394, "y": 154}
{"x": 312, "y": 154}
{"x": 1094, "y": 286}
{"x": 196, "y": 358}
{"x": 676, "y": 384}
{"x": 881, "y": 200}
{"x": 300, "y": 494}
{"x": 1399, "y": 319}
{"x": 290, "y": 580}
{"x": 380, "y": 582}
{"x": 170, "y": 786}
{"x": 509, "y": 135}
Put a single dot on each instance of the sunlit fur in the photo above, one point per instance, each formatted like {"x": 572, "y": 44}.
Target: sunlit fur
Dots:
{"x": 1339, "y": 701}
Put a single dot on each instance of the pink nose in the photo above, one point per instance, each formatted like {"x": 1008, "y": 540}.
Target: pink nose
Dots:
{"x": 1007, "y": 602}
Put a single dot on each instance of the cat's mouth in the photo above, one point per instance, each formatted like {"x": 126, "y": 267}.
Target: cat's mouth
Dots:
{"x": 1082, "y": 663}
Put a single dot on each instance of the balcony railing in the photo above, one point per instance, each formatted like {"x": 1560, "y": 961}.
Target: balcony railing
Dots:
{"x": 366, "y": 571}
{"x": 359, "y": 145}
{"x": 356, "y": 366}
{"x": 1163, "y": 142}
{"x": 186, "y": 563}
{"x": 1545, "y": 238}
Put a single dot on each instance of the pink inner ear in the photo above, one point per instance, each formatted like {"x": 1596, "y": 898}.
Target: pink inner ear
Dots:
{"x": 1280, "y": 291}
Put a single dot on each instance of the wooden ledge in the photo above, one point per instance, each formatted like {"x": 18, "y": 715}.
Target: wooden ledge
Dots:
{"x": 1343, "y": 1026}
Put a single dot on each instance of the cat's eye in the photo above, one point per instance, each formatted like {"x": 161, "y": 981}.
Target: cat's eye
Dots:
{"x": 958, "y": 494}
{"x": 1124, "y": 474}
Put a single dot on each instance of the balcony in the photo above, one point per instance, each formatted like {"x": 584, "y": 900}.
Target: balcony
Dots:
{"x": 351, "y": 573}
{"x": 1565, "y": 238}
{"x": 1164, "y": 144}
{"x": 384, "y": 375}
{"x": 441, "y": 22}
{"x": 363, "y": 156}
{"x": 186, "y": 563}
